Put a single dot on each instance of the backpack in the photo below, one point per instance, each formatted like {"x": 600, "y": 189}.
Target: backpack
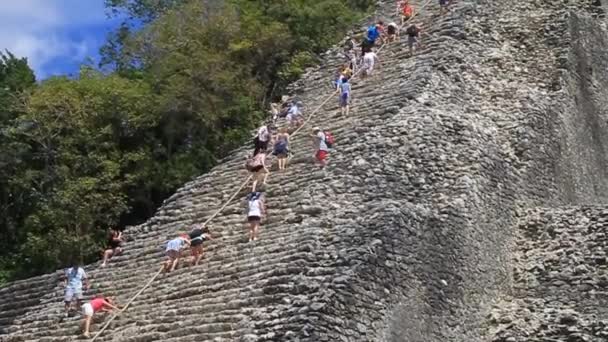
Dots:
{"x": 329, "y": 139}
{"x": 372, "y": 32}
{"x": 412, "y": 30}
{"x": 280, "y": 147}
{"x": 348, "y": 45}
{"x": 252, "y": 163}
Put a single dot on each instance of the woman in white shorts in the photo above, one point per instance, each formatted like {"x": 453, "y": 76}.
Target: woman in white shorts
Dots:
{"x": 95, "y": 305}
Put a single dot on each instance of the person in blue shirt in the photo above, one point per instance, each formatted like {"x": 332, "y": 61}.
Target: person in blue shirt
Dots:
{"x": 345, "y": 90}
{"x": 73, "y": 279}
{"x": 373, "y": 33}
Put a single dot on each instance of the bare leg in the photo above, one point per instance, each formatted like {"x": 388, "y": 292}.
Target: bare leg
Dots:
{"x": 266, "y": 174}
{"x": 67, "y": 308}
{"x": 106, "y": 255}
{"x": 251, "y": 231}
{"x": 175, "y": 262}
{"x": 256, "y": 227}
{"x": 87, "y": 325}
{"x": 255, "y": 183}
{"x": 347, "y": 109}
{"x": 198, "y": 257}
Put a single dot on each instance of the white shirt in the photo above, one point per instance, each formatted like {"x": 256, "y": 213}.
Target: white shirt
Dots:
{"x": 263, "y": 134}
{"x": 321, "y": 141}
{"x": 75, "y": 277}
{"x": 255, "y": 208}
{"x": 370, "y": 58}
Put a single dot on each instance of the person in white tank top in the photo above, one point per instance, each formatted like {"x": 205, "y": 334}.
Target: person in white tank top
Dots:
{"x": 256, "y": 211}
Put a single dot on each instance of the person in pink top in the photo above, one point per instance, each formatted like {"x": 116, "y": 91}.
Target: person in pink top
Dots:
{"x": 95, "y": 305}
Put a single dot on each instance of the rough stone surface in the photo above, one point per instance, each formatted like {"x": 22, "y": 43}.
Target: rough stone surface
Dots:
{"x": 422, "y": 228}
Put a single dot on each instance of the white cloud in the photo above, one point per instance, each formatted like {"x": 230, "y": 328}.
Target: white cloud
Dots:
{"x": 37, "y": 29}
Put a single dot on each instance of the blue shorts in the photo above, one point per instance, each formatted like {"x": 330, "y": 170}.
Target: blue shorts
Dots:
{"x": 71, "y": 293}
{"x": 344, "y": 100}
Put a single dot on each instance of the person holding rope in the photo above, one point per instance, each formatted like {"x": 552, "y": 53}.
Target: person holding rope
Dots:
{"x": 345, "y": 90}
{"x": 256, "y": 210}
{"x": 96, "y": 305}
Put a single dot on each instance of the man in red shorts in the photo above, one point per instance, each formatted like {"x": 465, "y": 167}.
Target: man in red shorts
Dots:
{"x": 320, "y": 146}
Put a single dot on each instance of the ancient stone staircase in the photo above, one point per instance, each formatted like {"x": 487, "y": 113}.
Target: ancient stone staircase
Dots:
{"x": 409, "y": 234}
{"x": 266, "y": 290}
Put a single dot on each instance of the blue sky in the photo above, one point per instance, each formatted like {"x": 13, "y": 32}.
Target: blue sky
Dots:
{"x": 55, "y": 35}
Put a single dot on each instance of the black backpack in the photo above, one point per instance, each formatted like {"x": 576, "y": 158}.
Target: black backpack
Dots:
{"x": 412, "y": 30}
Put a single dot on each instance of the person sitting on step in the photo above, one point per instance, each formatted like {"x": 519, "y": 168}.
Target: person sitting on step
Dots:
{"x": 198, "y": 235}
{"x": 97, "y": 304}
{"x": 174, "y": 251}
{"x": 281, "y": 148}
{"x": 114, "y": 246}
{"x": 256, "y": 210}
{"x": 73, "y": 280}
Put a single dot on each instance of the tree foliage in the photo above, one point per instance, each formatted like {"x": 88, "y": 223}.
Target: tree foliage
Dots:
{"x": 183, "y": 83}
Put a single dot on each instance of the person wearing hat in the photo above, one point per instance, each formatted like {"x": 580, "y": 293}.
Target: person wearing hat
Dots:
{"x": 320, "y": 146}
{"x": 256, "y": 210}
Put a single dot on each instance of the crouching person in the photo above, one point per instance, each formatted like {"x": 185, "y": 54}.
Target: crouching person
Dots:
{"x": 103, "y": 304}
{"x": 174, "y": 251}
{"x": 198, "y": 235}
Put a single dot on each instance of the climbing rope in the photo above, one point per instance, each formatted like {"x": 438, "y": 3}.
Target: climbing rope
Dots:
{"x": 217, "y": 212}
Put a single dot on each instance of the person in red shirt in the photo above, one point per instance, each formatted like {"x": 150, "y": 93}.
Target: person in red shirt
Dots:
{"x": 407, "y": 11}
{"x": 95, "y": 305}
